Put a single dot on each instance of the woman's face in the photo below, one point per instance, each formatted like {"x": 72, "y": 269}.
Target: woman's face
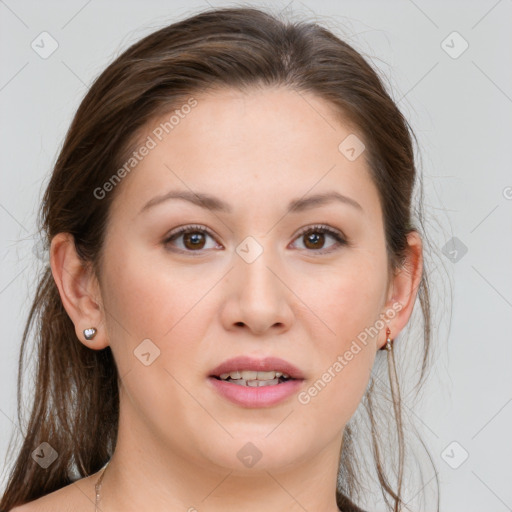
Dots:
{"x": 245, "y": 281}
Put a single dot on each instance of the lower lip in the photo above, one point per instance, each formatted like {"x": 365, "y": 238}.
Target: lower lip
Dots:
{"x": 263, "y": 396}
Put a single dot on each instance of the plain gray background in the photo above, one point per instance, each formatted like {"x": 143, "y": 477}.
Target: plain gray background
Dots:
{"x": 458, "y": 102}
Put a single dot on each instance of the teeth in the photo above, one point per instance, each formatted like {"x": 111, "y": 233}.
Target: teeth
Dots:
{"x": 254, "y": 376}
{"x": 255, "y": 383}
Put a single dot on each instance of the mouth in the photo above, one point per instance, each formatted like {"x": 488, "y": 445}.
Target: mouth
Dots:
{"x": 250, "y": 371}
{"x": 250, "y": 382}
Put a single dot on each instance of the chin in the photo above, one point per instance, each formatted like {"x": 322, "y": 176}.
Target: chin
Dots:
{"x": 250, "y": 452}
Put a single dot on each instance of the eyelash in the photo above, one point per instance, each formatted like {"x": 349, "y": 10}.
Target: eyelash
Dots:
{"x": 317, "y": 228}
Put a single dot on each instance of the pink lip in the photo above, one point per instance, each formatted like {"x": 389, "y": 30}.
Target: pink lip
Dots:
{"x": 262, "y": 365}
{"x": 264, "y": 396}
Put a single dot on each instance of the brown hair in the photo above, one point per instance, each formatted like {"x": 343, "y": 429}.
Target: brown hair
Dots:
{"x": 75, "y": 408}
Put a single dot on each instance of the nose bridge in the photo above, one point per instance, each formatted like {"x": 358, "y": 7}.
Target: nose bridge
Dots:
{"x": 257, "y": 265}
{"x": 261, "y": 297}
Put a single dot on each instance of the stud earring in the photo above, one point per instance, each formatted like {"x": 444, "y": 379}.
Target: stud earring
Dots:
{"x": 90, "y": 333}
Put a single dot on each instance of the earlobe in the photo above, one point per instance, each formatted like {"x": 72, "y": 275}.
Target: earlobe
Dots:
{"x": 77, "y": 286}
{"x": 404, "y": 286}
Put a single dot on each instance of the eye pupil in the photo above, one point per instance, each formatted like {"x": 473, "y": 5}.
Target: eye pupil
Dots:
{"x": 314, "y": 238}
{"x": 195, "y": 238}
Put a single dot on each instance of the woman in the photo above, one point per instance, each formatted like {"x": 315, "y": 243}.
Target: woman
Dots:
{"x": 232, "y": 251}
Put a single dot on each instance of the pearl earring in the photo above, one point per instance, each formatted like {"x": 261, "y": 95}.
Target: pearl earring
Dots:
{"x": 389, "y": 341}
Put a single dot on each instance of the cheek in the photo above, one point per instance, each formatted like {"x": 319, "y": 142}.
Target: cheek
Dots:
{"x": 349, "y": 305}
{"x": 136, "y": 296}
{"x": 352, "y": 298}
{"x": 335, "y": 392}
{"x": 146, "y": 294}
{"x": 153, "y": 300}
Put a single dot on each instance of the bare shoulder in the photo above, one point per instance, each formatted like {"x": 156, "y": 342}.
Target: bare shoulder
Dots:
{"x": 76, "y": 497}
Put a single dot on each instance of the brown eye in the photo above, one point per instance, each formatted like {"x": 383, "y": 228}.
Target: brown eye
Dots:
{"x": 194, "y": 238}
{"x": 315, "y": 237}
{"x": 314, "y": 240}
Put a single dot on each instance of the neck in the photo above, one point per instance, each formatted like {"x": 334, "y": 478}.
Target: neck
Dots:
{"x": 140, "y": 477}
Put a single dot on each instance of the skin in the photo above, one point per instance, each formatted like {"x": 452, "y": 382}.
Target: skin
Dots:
{"x": 178, "y": 439}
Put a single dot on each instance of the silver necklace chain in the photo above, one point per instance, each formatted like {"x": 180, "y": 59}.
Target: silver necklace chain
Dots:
{"x": 98, "y": 487}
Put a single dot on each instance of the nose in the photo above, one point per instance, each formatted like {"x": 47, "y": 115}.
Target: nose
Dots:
{"x": 257, "y": 296}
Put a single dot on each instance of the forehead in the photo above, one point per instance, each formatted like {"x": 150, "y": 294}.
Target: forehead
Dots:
{"x": 263, "y": 144}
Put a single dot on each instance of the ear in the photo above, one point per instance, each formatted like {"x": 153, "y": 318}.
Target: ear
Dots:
{"x": 403, "y": 288}
{"x": 79, "y": 290}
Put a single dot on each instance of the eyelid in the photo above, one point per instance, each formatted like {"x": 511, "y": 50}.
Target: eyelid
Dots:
{"x": 339, "y": 236}
{"x": 188, "y": 228}
{"x": 321, "y": 227}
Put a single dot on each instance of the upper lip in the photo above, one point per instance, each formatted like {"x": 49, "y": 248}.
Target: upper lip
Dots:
{"x": 263, "y": 365}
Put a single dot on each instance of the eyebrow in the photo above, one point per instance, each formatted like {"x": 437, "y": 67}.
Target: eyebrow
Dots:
{"x": 215, "y": 204}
